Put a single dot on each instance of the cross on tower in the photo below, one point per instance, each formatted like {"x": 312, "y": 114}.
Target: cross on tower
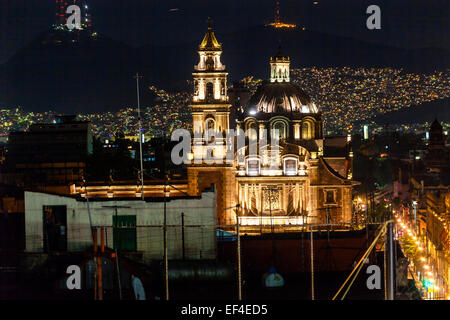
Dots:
{"x": 209, "y": 21}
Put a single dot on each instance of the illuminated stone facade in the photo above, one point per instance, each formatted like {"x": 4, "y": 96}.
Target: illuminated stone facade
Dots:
{"x": 211, "y": 114}
{"x": 280, "y": 175}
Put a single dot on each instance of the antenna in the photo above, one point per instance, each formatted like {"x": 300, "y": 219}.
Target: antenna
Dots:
{"x": 277, "y": 11}
{"x": 277, "y": 20}
{"x": 137, "y": 77}
{"x": 60, "y": 14}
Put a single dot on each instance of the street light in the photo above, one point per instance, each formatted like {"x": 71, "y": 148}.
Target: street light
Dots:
{"x": 414, "y": 203}
{"x": 238, "y": 243}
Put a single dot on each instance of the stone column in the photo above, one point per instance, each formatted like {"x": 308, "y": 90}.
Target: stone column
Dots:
{"x": 192, "y": 181}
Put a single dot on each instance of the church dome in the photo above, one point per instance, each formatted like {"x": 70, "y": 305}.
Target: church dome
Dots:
{"x": 281, "y": 97}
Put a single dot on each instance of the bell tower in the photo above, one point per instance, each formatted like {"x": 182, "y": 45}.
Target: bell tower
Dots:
{"x": 210, "y": 107}
{"x": 210, "y": 116}
{"x": 279, "y": 67}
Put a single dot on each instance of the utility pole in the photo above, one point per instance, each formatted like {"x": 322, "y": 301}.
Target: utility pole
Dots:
{"x": 93, "y": 234}
{"x": 272, "y": 227}
{"x": 137, "y": 77}
{"x": 312, "y": 262}
{"x": 98, "y": 262}
{"x": 166, "y": 251}
{"x": 117, "y": 240}
{"x": 328, "y": 223}
{"x": 386, "y": 295}
{"x": 238, "y": 254}
{"x": 100, "y": 269}
{"x": 95, "y": 259}
{"x": 262, "y": 210}
{"x": 238, "y": 250}
{"x": 117, "y": 255}
{"x": 391, "y": 261}
{"x": 182, "y": 235}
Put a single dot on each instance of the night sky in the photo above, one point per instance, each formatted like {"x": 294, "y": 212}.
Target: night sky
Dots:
{"x": 405, "y": 23}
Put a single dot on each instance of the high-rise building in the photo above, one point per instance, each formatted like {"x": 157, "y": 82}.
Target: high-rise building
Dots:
{"x": 61, "y": 12}
{"x": 48, "y": 153}
{"x": 366, "y": 131}
{"x": 437, "y": 157}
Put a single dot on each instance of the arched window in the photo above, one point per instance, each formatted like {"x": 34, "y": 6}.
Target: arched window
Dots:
{"x": 253, "y": 167}
{"x": 290, "y": 167}
{"x": 209, "y": 91}
{"x": 195, "y": 88}
{"x": 281, "y": 127}
{"x": 210, "y": 127}
{"x": 307, "y": 130}
{"x": 252, "y": 131}
{"x": 210, "y": 63}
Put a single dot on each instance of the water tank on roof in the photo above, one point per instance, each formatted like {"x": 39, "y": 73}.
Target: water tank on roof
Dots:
{"x": 272, "y": 279}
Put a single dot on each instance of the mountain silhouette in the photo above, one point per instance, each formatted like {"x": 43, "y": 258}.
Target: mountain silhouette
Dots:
{"x": 89, "y": 72}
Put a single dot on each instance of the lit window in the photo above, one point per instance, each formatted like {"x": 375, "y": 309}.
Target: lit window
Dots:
{"x": 306, "y": 128}
{"x": 330, "y": 196}
{"x": 209, "y": 91}
{"x": 290, "y": 167}
{"x": 252, "y": 131}
{"x": 281, "y": 127}
{"x": 210, "y": 130}
{"x": 297, "y": 131}
{"x": 253, "y": 167}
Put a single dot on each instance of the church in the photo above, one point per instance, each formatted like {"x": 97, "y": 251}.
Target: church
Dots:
{"x": 281, "y": 176}
{"x": 276, "y": 174}
{"x": 283, "y": 173}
